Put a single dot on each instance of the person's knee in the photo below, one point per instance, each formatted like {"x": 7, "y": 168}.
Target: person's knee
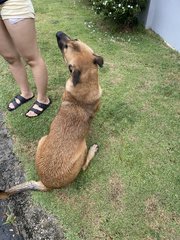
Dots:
{"x": 32, "y": 61}
{"x": 12, "y": 59}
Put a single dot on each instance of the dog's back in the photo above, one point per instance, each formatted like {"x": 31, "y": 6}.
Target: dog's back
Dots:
{"x": 63, "y": 146}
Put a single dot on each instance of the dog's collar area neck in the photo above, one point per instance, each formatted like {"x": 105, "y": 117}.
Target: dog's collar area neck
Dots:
{"x": 68, "y": 97}
{"x": 89, "y": 107}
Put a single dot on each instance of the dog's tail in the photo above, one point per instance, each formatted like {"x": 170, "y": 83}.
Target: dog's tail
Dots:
{"x": 31, "y": 185}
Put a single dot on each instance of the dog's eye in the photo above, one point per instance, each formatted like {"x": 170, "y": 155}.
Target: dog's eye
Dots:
{"x": 66, "y": 46}
{"x": 70, "y": 68}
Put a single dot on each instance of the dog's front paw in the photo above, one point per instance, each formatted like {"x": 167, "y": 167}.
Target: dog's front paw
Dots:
{"x": 93, "y": 149}
{"x": 91, "y": 153}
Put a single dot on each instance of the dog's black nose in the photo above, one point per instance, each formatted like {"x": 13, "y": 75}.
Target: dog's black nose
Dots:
{"x": 62, "y": 39}
{"x": 60, "y": 34}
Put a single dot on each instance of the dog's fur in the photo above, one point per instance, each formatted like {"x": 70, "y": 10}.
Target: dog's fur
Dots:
{"x": 63, "y": 152}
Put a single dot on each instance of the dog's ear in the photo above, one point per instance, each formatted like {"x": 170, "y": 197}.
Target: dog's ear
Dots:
{"x": 98, "y": 60}
{"x": 76, "y": 77}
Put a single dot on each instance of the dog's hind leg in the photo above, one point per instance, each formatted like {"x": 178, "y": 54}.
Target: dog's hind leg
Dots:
{"x": 91, "y": 153}
{"x": 41, "y": 141}
{"x": 31, "y": 185}
{"x": 40, "y": 144}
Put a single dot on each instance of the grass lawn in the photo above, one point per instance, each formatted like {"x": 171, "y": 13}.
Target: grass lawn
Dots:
{"x": 130, "y": 191}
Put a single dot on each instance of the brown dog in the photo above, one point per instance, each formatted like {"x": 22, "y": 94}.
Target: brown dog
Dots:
{"x": 63, "y": 152}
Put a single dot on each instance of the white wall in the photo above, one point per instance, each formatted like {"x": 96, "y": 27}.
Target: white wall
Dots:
{"x": 163, "y": 17}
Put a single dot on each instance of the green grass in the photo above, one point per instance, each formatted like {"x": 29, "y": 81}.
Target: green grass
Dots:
{"x": 130, "y": 191}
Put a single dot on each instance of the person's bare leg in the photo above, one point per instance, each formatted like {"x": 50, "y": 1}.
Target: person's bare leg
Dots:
{"x": 28, "y": 49}
{"x": 10, "y": 54}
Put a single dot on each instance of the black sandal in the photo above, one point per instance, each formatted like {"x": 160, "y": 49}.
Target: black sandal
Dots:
{"x": 38, "y": 112}
{"x": 21, "y": 99}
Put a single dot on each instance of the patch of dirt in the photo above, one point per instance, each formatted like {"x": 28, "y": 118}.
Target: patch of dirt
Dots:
{"x": 20, "y": 218}
{"x": 161, "y": 221}
{"x": 114, "y": 79}
{"x": 116, "y": 192}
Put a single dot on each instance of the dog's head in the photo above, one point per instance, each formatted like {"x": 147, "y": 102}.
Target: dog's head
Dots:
{"x": 79, "y": 57}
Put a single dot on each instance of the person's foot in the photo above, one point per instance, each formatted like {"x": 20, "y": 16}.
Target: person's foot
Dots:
{"x": 18, "y": 100}
{"x": 38, "y": 108}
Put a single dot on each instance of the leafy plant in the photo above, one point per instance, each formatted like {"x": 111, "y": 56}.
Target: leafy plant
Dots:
{"x": 120, "y": 11}
{"x": 11, "y": 218}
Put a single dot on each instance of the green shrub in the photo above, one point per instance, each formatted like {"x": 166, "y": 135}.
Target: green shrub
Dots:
{"x": 120, "y": 11}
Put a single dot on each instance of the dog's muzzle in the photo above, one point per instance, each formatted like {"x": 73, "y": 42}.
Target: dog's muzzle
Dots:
{"x": 62, "y": 40}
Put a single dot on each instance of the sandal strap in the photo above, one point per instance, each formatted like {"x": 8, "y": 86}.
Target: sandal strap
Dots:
{"x": 35, "y": 110}
{"x": 21, "y": 101}
{"x": 42, "y": 105}
{"x": 15, "y": 104}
